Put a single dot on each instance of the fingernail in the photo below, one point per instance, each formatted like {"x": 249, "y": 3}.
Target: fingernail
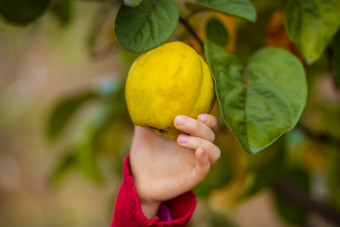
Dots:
{"x": 203, "y": 118}
{"x": 203, "y": 154}
{"x": 183, "y": 138}
{"x": 180, "y": 120}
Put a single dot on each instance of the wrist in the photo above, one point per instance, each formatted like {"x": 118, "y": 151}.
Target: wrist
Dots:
{"x": 149, "y": 207}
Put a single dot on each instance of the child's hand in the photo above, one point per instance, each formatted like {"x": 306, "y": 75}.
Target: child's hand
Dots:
{"x": 164, "y": 169}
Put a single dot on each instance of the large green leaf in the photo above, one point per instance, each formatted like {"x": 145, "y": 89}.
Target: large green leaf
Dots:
{"x": 22, "y": 12}
{"x": 239, "y": 8}
{"x": 216, "y": 32}
{"x": 336, "y": 57}
{"x": 311, "y": 24}
{"x": 146, "y": 26}
{"x": 261, "y": 100}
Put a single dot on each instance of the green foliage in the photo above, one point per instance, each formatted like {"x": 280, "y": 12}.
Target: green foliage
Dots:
{"x": 245, "y": 46}
{"x": 288, "y": 210}
{"x": 84, "y": 155}
{"x": 216, "y": 32}
{"x": 259, "y": 100}
{"x": 65, "y": 110}
{"x": 333, "y": 173}
{"x": 96, "y": 27}
{"x": 254, "y": 105}
{"x": 311, "y": 24}
{"x": 22, "y": 12}
{"x": 239, "y": 8}
{"x": 336, "y": 57}
{"x": 85, "y": 152}
{"x": 62, "y": 10}
{"x": 220, "y": 220}
{"x": 266, "y": 166}
{"x": 146, "y": 26}
{"x": 65, "y": 164}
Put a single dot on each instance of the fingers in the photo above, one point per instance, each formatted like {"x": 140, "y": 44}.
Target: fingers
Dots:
{"x": 193, "y": 143}
{"x": 195, "y": 127}
{"x": 209, "y": 120}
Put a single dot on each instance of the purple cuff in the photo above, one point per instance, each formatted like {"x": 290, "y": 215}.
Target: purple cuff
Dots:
{"x": 164, "y": 213}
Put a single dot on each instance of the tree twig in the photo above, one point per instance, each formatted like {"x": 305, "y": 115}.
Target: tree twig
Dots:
{"x": 185, "y": 23}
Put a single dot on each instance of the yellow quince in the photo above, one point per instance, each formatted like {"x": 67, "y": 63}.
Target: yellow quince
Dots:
{"x": 167, "y": 81}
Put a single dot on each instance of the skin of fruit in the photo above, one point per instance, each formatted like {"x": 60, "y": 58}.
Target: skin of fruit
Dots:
{"x": 167, "y": 81}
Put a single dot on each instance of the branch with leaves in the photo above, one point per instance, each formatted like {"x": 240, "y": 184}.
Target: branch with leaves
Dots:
{"x": 261, "y": 90}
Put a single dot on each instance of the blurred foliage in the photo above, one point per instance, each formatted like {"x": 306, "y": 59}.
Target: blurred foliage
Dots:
{"x": 62, "y": 10}
{"x": 216, "y": 32}
{"x": 333, "y": 173}
{"x": 22, "y": 12}
{"x": 299, "y": 177}
{"x": 218, "y": 177}
{"x": 336, "y": 57}
{"x": 311, "y": 148}
{"x": 64, "y": 110}
{"x": 311, "y": 25}
{"x": 240, "y": 8}
{"x": 265, "y": 167}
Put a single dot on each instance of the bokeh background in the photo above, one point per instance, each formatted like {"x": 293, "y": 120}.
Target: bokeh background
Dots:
{"x": 64, "y": 127}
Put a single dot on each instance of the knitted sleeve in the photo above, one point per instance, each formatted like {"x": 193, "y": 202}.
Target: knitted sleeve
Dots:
{"x": 127, "y": 211}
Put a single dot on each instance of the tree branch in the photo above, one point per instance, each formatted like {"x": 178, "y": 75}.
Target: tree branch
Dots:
{"x": 185, "y": 23}
{"x": 319, "y": 137}
{"x": 283, "y": 187}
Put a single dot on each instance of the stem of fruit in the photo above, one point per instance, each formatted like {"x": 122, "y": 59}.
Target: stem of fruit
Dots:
{"x": 185, "y": 23}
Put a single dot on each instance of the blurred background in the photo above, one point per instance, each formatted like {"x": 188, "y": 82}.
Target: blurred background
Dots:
{"x": 64, "y": 127}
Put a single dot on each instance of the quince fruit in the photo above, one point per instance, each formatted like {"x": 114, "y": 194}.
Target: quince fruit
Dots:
{"x": 167, "y": 81}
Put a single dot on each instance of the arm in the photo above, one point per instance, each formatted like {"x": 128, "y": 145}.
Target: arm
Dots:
{"x": 166, "y": 170}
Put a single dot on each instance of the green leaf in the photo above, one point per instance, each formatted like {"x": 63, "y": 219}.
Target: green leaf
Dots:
{"x": 142, "y": 28}
{"x": 132, "y": 3}
{"x": 216, "y": 32}
{"x": 288, "y": 210}
{"x": 61, "y": 114}
{"x": 311, "y": 24}
{"x": 62, "y": 11}
{"x": 336, "y": 57}
{"x": 261, "y": 100}
{"x": 22, "y": 12}
{"x": 239, "y": 8}
{"x": 220, "y": 175}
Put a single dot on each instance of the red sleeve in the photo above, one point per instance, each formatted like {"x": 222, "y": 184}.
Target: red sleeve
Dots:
{"x": 128, "y": 211}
